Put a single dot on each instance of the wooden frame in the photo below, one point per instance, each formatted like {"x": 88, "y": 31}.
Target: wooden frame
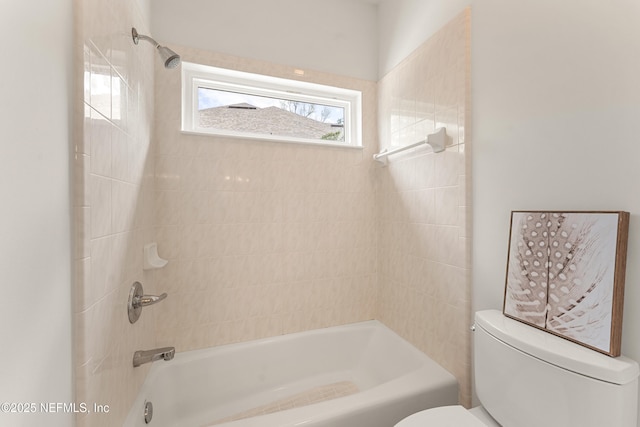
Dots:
{"x": 565, "y": 275}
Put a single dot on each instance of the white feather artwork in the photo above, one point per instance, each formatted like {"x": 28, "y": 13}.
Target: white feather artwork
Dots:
{"x": 561, "y": 273}
{"x": 526, "y": 294}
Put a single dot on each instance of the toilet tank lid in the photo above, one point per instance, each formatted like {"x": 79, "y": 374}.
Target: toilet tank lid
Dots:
{"x": 557, "y": 351}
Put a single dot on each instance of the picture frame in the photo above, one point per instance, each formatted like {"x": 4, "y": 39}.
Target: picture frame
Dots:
{"x": 566, "y": 274}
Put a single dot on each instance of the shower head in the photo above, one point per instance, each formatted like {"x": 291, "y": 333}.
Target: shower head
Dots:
{"x": 169, "y": 57}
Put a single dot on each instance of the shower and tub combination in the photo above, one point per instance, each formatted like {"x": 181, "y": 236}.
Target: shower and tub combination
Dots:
{"x": 351, "y": 375}
{"x": 361, "y": 374}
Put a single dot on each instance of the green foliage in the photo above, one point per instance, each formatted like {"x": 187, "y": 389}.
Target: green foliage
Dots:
{"x": 332, "y": 136}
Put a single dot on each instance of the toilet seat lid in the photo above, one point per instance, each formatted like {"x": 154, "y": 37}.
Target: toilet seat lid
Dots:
{"x": 444, "y": 416}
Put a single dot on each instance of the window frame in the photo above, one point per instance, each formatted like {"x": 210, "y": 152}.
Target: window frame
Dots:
{"x": 196, "y": 76}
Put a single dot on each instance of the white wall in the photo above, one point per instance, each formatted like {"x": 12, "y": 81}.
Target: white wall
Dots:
{"x": 35, "y": 248}
{"x": 556, "y": 106}
{"x": 555, "y": 123}
{"x": 334, "y": 36}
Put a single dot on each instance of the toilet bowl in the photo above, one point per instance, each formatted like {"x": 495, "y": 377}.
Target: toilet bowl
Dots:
{"x": 445, "y": 416}
{"x": 526, "y": 377}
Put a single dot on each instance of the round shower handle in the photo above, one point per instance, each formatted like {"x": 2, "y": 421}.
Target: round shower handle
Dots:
{"x": 137, "y": 300}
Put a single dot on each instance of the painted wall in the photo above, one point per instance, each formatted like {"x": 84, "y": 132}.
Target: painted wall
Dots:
{"x": 556, "y": 101}
{"x": 35, "y": 239}
{"x": 263, "y": 238}
{"x": 113, "y": 204}
{"x": 334, "y": 36}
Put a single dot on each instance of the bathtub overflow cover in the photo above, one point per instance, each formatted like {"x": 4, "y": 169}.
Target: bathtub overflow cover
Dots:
{"x": 148, "y": 412}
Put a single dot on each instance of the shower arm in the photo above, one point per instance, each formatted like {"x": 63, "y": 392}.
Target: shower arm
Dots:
{"x": 169, "y": 57}
{"x": 137, "y": 37}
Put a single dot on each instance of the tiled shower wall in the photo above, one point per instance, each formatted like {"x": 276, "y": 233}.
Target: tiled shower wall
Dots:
{"x": 113, "y": 203}
{"x": 263, "y": 238}
{"x": 423, "y": 203}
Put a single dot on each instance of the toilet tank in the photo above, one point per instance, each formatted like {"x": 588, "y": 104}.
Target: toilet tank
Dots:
{"x": 525, "y": 377}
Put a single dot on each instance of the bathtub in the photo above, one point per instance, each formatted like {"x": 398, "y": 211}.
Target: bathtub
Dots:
{"x": 361, "y": 374}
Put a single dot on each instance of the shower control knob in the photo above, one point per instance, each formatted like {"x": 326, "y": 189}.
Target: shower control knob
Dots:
{"x": 145, "y": 300}
{"x": 137, "y": 300}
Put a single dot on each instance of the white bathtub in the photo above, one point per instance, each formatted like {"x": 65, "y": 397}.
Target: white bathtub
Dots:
{"x": 388, "y": 378}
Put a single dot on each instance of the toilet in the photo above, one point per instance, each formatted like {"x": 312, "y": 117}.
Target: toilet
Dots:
{"x": 526, "y": 377}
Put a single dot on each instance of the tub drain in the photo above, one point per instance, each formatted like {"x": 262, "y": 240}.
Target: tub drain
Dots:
{"x": 148, "y": 412}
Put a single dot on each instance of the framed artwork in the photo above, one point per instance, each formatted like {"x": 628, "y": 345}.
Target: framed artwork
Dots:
{"x": 565, "y": 275}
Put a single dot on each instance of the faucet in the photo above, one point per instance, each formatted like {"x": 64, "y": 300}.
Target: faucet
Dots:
{"x": 145, "y": 356}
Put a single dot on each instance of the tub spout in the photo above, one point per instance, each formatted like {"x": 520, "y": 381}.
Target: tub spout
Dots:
{"x": 145, "y": 356}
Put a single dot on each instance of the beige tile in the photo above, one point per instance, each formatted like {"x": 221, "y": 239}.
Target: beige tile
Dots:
{"x": 265, "y": 239}
{"x": 82, "y": 220}
{"x": 446, "y": 201}
{"x": 168, "y": 208}
{"x": 82, "y": 180}
{"x": 120, "y": 159}
{"x": 422, "y": 268}
{"x": 100, "y": 148}
{"x": 101, "y": 205}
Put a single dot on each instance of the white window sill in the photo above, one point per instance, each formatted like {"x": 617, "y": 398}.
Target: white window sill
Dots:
{"x": 280, "y": 139}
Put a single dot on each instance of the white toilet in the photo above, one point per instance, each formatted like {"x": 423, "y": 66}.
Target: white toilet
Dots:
{"x": 525, "y": 377}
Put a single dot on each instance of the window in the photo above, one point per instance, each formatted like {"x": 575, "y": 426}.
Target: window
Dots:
{"x": 233, "y": 103}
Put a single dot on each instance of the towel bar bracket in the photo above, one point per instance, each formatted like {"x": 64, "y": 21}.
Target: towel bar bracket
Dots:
{"x": 437, "y": 142}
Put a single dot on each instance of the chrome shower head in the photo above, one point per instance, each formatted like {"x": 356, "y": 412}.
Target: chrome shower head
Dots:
{"x": 169, "y": 57}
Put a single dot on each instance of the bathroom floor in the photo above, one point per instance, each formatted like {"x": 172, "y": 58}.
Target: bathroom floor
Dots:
{"x": 314, "y": 395}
